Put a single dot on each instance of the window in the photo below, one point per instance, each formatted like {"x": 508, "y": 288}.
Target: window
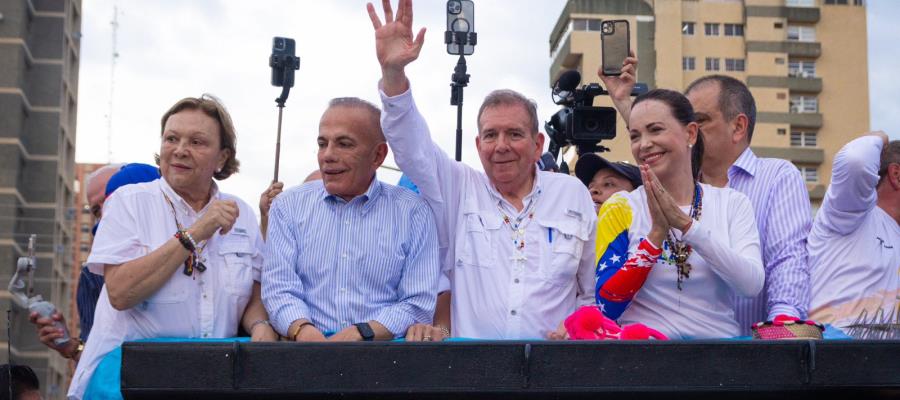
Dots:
{"x": 810, "y": 174}
{"x": 841, "y": 2}
{"x": 85, "y": 228}
{"x": 712, "y": 64}
{"x": 780, "y": 95}
{"x": 859, "y": 2}
{"x": 779, "y": 60}
{"x": 800, "y": 3}
{"x": 85, "y": 247}
{"x": 803, "y": 139}
{"x": 801, "y": 33}
{"x": 782, "y": 132}
{"x": 580, "y": 24}
{"x": 687, "y": 28}
{"x": 712, "y": 29}
{"x": 734, "y": 29}
{"x": 734, "y": 64}
{"x": 802, "y": 69}
{"x": 688, "y": 63}
{"x": 779, "y": 25}
{"x": 804, "y": 104}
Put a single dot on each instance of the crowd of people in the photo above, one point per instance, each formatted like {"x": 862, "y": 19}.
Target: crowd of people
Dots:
{"x": 696, "y": 237}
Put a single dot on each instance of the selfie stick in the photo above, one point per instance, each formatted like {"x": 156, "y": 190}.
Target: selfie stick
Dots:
{"x": 460, "y": 79}
{"x": 290, "y": 64}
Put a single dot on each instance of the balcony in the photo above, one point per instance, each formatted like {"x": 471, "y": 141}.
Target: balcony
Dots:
{"x": 794, "y": 83}
{"x": 803, "y": 84}
{"x": 565, "y": 59}
{"x": 800, "y": 155}
{"x": 792, "y": 14}
{"x": 796, "y": 120}
{"x": 802, "y": 14}
{"x": 793, "y": 49}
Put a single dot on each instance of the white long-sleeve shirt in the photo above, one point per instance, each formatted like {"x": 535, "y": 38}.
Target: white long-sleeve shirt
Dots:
{"x": 854, "y": 246}
{"x": 725, "y": 261}
{"x": 498, "y": 291}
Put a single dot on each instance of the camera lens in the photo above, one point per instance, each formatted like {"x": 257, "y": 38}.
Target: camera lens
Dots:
{"x": 608, "y": 27}
{"x": 454, "y": 7}
{"x": 279, "y": 43}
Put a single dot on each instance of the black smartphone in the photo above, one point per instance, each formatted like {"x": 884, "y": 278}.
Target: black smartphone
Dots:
{"x": 283, "y": 60}
{"x": 460, "y": 18}
{"x": 615, "y": 41}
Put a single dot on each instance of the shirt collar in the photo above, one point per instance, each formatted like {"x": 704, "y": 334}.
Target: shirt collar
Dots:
{"x": 179, "y": 202}
{"x": 535, "y": 189}
{"x": 367, "y": 199}
{"x": 747, "y": 162}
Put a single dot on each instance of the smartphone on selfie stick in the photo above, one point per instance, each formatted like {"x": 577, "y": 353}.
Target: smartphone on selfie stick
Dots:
{"x": 283, "y": 62}
{"x": 460, "y": 38}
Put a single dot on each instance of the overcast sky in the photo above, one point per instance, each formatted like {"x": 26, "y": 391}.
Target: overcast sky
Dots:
{"x": 170, "y": 49}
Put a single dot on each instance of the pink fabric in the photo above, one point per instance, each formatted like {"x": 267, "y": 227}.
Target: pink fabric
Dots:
{"x": 589, "y": 323}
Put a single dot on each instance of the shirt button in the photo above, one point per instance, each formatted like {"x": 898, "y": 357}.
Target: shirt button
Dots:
{"x": 344, "y": 255}
{"x": 347, "y": 222}
{"x": 345, "y": 323}
{"x": 205, "y": 334}
{"x": 343, "y": 290}
{"x": 513, "y": 312}
{"x": 516, "y": 280}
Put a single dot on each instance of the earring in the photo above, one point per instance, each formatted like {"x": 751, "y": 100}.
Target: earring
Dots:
{"x": 218, "y": 170}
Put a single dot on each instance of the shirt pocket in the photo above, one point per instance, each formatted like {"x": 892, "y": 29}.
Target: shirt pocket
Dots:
{"x": 237, "y": 273}
{"x": 561, "y": 255}
{"x": 173, "y": 292}
{"x": 476, "y": 244}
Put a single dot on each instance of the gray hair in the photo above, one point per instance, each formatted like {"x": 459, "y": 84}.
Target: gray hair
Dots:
{"x": 889, "y": 155}
{"x": 734, "y": 99}
{"x": 109, "y": 168}
{"x": 507, "y": 97}
{"x": 360, "y": 104}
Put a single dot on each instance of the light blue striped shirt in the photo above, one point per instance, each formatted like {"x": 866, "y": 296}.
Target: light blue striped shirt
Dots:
{"x": 337, "y": 263}
{"x": 783, "y": 216}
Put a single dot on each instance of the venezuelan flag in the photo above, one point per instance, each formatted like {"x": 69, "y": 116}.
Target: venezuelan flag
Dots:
{"x": 619, "y": 274}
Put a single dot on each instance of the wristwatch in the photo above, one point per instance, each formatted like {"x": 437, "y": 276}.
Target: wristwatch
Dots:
{"x": 365, "y": 330}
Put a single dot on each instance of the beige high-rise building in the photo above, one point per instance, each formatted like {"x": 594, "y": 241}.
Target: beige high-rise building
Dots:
{"x": 805, "y": 62}
{"x": 40, "y": 45}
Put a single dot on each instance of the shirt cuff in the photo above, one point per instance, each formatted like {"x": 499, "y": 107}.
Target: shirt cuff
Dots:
{"x": 402, "y": 99}
{"x": 396, "y": 321}
{"x": 783, "y": 309}
{"x": 282, "y": 322}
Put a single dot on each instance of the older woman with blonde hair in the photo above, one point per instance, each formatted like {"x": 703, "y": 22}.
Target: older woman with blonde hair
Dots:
{"x": 180, "y": 258}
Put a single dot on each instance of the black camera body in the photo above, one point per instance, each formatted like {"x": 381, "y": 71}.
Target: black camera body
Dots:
{"x": 579, "y": 123}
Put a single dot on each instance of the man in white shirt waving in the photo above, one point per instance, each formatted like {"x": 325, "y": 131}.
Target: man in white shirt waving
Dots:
{"x": 854, "y": 245}
{"x": 518, "y": 243}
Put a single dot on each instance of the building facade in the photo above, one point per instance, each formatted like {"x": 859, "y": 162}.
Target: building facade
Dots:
{"x": 39, "y": 53}
{"x": 805, "y": 61}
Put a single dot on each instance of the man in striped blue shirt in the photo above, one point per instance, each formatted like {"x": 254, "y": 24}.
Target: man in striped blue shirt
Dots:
{"x": 726, "y": 112}
{"x": 349, "y": 257}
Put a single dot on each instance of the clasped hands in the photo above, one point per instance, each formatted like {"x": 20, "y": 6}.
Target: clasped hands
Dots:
{"x": 664, "y": 211}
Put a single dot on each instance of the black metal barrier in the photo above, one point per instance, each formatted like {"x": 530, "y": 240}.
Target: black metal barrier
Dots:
{"x": 513, "y": 369}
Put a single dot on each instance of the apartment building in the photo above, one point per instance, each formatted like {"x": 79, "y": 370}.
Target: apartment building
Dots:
{"x": 805, "y": 61}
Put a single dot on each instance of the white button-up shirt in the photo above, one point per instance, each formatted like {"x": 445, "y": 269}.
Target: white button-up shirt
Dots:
{"x": 499, "y": 291}
{"x": 137, "y": 219}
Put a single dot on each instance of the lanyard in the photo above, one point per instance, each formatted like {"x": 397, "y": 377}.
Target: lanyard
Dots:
{"x": 193, "y": 260}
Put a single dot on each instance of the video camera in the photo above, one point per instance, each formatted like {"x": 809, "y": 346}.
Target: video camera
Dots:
{"x": 579, "y": 123}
